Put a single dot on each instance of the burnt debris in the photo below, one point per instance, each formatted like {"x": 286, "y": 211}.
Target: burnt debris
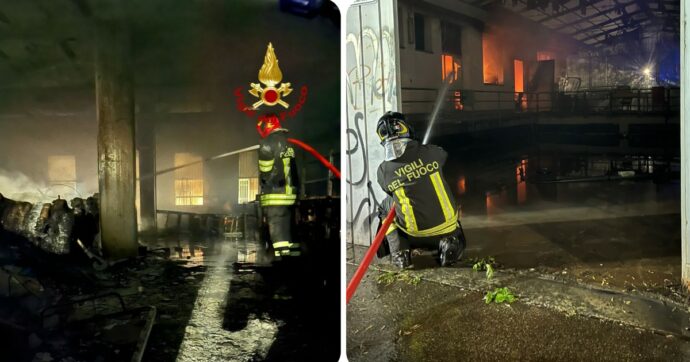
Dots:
{"x": 51, "y": 227}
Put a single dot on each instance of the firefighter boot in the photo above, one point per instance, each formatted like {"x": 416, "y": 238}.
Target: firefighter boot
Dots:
{"x": 402, "y": 259}
{"x": 450, "y": 250}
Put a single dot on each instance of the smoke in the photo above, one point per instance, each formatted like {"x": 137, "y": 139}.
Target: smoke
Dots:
{"x": 17, "y": 186}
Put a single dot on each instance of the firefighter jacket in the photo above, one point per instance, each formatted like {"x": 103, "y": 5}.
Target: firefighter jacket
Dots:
{"x": 422, "y": 197}
{"x": 277, "y": 170}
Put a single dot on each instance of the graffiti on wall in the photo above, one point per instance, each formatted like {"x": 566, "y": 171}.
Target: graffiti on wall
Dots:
{"x": 371, "y": 46}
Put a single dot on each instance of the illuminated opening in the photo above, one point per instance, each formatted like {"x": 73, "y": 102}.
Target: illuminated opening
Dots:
{"x": 247, "y": 190}
{"x": 520, "y": 99}
{"x": 189, "y": 180}
{"x": 492, "y": 60}
{"x": 519, "y": 76}
{"x": 248, "y": 184}
{"x": 449, "y": 64}
{"x": 62, "y": 175}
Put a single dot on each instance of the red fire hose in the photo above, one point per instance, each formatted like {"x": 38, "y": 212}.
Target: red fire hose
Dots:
{"x": 364, "y": 265}
{"x": 316, "y": 154}
{"x": 362, "y": 268}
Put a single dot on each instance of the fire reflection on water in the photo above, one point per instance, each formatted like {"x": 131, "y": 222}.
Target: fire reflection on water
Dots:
{"x": 520, "y": 172}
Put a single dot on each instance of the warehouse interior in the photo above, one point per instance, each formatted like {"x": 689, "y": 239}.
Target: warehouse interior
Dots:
{"x": 129, "y": 226}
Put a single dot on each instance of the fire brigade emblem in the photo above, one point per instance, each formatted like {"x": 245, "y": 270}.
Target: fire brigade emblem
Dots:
{"x": 270, "y": 76}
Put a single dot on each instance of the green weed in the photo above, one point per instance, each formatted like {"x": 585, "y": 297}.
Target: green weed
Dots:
{"x": 485, "y": 264}
{"x": 499, "y": 295}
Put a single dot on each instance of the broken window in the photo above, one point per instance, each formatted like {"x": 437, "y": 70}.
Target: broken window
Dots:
{"x": 248, "y": 186}
{"x": 62, "y": 175}
{"x": 492, "y": 56}
{"x": 189, "y": 180}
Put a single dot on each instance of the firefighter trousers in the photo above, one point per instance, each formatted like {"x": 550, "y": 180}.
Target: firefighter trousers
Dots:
{"x": 279, "y": 219}
{"x": 398, "y": 240}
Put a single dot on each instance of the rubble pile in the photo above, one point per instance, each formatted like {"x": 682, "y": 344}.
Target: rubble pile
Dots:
{"x": 52, "y": 227}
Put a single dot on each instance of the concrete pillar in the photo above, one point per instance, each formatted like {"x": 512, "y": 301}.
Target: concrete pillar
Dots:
{"x": 685, "y": 143}
{"x": 146, "y": 144}
{"x": 116, "y": 140}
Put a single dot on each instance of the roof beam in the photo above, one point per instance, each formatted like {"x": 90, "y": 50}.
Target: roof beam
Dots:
{"x": 587, "y": 18}
{"x": 606, "y": 22}
{"x": 604, "y": 33}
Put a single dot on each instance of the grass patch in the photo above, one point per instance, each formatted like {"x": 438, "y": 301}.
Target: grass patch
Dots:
{"x": 390, "y": 277}
{"x": 499, "y": 295}
{"x": 485, "y": 264}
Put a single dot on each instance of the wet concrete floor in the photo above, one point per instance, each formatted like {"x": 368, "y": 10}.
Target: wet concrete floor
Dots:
{"x": 207, "y": 307}
{"x": 584, "y": 228}
{"x": 441, "y": 321}
{"x": 254, "y": 310}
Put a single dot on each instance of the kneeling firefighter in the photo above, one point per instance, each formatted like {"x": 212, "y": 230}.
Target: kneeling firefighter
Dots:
{"x": 412, "y": 176}
{"x": 278, "y": 179}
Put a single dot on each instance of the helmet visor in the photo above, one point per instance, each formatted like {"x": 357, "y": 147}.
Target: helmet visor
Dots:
{"x": 394, "y": 148}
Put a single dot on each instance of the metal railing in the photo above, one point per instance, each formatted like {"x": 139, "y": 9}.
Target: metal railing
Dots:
{"x": 623, "y": 100}
{"x": 308, "y": 185}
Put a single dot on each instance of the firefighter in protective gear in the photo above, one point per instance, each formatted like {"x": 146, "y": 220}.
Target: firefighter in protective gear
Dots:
{"x": 412, "y": 176}
{"x": 278, "y": 179}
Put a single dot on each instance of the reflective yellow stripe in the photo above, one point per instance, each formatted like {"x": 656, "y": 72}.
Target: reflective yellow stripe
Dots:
{"x": 445, "y": 228}
{"x": 278, "y": 196}
{"x": 265, "y": 165}
{"x": 294, "y": 245}
{"x": 281, "y": 244}
{"x": 278, "y": 203}
{"x": 277, "y": 199}
{"x": 286, "y": 170}
{"x": 287, "y": 253}
{"x": 408, "y": 213}
{"x": 391, "y": 228}
{"x": 443, "y": 199}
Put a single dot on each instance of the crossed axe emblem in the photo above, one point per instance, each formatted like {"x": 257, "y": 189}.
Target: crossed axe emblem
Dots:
{"x": 270, "y": 76}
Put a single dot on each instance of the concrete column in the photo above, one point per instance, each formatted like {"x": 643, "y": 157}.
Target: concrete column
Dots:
{"x": 146, "y": 144}
{"x": 685, "y": 143}
{"x": 116, "y": 140}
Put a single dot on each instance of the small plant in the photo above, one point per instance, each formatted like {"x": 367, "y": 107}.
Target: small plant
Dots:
{"x": 389, "y": 277}
{"x": 499, "y": 295}
{"x": 485, "y": 264}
